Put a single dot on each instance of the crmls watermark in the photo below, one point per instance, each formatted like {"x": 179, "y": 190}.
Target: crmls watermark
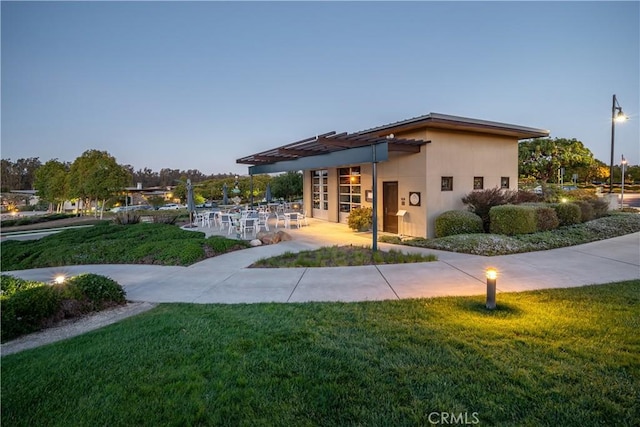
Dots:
{"x": 451, "y": 418}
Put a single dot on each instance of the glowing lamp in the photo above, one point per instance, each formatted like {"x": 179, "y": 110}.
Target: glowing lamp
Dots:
{"x": 492, "y": 275}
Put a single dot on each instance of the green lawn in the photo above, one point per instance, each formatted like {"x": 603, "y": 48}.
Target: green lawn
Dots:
{"x": 568, "y": 357}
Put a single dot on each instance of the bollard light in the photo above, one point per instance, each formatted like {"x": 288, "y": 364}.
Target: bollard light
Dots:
{"x": 59, "y": 279}
{"x": 491, "y": 274}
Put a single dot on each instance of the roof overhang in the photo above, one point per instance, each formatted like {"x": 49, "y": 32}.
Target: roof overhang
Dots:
{"x": 364, "y": 154}
{"x": 457, "y": 123}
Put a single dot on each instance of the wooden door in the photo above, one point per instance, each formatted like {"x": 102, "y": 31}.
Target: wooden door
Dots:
{"x": 390, "y": 207}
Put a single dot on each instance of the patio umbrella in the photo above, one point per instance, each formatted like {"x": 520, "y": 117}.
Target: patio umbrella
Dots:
{"x": 267, "y": 194}
{"x": 191, "y": 206}
{"x": 225, "y": 196}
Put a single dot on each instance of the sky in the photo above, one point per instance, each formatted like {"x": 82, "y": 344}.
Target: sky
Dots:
{"x": 197, "y": 85}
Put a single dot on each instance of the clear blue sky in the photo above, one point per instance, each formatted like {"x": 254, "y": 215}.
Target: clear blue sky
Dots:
{"x": 197, "y": 85}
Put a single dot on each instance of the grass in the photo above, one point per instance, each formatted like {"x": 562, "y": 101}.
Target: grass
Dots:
{"x": 496, "y": 244}
{"x": 337, "y": 256}
{"x": 116, "y": 244}
{"x": 565, "y": 357}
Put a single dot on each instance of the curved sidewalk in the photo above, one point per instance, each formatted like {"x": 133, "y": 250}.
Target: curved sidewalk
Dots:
{"x": 226, "y": 279}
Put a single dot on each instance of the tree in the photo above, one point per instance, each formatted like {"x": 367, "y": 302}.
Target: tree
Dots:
{"x": 51, "y": 183}
{"x": 96, "y": 175}
{"x": 541, "y": 158}
{"x": 19, "y": 175}
{"x": 287, "y": 186}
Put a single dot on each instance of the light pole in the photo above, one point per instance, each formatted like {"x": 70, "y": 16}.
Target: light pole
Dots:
{"x": 623, "y": 163}
{"x": 616, "y": 116}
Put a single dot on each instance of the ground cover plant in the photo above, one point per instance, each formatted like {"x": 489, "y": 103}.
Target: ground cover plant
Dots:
{"x": 35, "y": 219}
{"x": 497, "y": 244}
{"x": 565, "y": 357}
{"x": 143, "y": 243}
{"x": 337, "y": 256}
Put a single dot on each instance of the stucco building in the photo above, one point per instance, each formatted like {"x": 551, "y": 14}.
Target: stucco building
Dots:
{"x": 411, "y": 170}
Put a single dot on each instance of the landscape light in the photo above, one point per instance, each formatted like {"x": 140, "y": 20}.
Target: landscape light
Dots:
{"x": 492, "y": 275}
{"x": 59, "y": 279}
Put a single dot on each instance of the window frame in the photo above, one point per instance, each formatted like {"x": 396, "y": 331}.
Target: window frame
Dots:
{"x": 479, "y": 179}
{"x": 446, "y": 183}
{"x": 503, "y": 180}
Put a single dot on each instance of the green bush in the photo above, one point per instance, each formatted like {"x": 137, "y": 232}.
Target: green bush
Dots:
{"x": 28, "y": 310}
{"x": 457, "y": 222}
{"x": 586, "y": 210}
{"x": 600, "y": 207}
{"x": 568, "y": 213}
{"x": 360, "y": 219}
{"x": 34, "y": 219}
{"x": 513, "y": 219}
{"x": 100, "y": 291}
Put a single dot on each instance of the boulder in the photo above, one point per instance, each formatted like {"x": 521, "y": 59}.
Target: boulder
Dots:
{"x": 256, "y": 242}
{"x": 283, "y": 237}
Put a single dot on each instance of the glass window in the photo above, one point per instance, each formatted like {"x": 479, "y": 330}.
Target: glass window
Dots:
{"x": 320, "y": 189}
{"x": 350, "y": 188}
{"x": 447, "y": 183}
{"x": 478, "y": 183}
{"x": 504, "y": 182}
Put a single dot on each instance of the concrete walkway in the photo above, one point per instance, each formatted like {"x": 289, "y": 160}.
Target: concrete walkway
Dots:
{"x": 226, "y": 279}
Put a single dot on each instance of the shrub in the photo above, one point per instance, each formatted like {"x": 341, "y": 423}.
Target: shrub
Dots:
{"x": 568, "y": 213}
{"x": 221, "y": 245}
{"x": 127, "y": 217}
{"x": 513, "y": 219}
{"x": 522, "y": 196}
{"x": 360, "y": 219}
{"x": 9, "y": 285}
{"x": 28, "y": 310}
{"x": 600, "y": 207}
{"x": 100, "y": 291}
{"x": 546, "y": 218}
{"x": 586, "y": 210}
{"x": 457, "y": 222}
{"x": 480, "y": 203}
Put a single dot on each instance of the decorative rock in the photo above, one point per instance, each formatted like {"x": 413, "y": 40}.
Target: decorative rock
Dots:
{"x": 284, "y": 237}
{"x": 256, "y": 242}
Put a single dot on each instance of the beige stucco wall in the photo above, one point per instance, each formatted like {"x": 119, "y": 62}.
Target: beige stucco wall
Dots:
{"x": 465, "y": 156}
{"x": 461, "y": 155}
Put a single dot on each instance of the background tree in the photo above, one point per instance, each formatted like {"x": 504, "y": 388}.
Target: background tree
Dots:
{"x": 51, "y": 183}
{"x": 287, "y": 186}
{"x": 541, "y": 158}
{"x": 96, "y": 175}
{"x": 19, "y": 175}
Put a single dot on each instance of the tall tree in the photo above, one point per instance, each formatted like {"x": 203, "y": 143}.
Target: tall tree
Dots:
{"x": 541, "y": 158}
{"x": 51, "y": 183}
{"x": 96, "y": 175}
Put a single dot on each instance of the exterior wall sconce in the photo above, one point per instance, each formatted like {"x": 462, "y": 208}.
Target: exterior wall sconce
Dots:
{"x": 492, "y": 275}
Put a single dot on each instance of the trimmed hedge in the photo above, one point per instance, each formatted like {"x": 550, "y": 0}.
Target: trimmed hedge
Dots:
{"x": 457, "y": 222}
{"x": 99, "y": 291}
{"x": 513, "y": 219}
{"x": 568, "y": 213}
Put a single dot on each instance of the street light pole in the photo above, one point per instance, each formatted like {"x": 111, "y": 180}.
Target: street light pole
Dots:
{"x": 623, "y": 163}
{"x": 616, "y": 116}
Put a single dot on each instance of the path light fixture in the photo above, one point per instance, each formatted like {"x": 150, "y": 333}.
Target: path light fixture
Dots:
{"x": 492, "y": 275}
{"x": 616, "y": 116}
{"x": 59, "y": 279}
